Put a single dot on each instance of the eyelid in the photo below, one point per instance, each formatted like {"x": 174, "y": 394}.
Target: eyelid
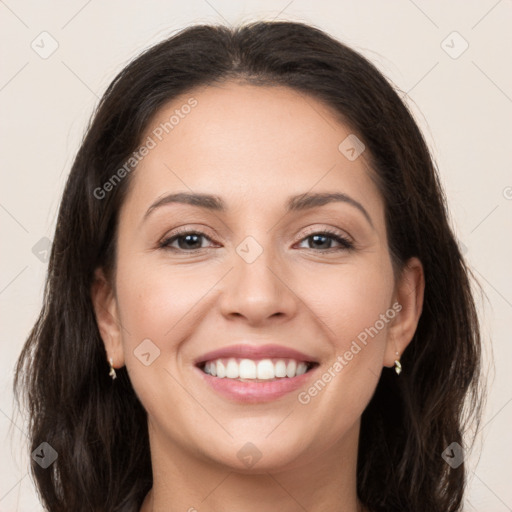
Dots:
{"x": 186, "y": 229}
{"x": 330, "y": 230}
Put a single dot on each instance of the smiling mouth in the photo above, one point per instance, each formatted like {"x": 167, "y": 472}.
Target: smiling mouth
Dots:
{"x": 256, "y": 370}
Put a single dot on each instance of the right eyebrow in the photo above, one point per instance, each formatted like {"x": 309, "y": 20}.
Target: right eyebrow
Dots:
{"x": 208, "y": 201}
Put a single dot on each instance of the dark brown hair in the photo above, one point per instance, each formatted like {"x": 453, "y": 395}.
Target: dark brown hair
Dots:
{"x": 99, "y": 427}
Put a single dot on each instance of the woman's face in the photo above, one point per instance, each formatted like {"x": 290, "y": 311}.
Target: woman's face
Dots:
{"x": 257, "y": 279}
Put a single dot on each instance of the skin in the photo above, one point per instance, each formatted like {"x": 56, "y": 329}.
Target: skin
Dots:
{"x": 253, "y": 146}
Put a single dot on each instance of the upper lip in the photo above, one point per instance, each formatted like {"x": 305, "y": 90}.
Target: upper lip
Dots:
{"x": 247, "y": 351}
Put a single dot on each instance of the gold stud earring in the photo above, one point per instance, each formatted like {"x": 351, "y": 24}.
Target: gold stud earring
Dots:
{"x": 398, "y": 366}
{"x": 112, "y": 372}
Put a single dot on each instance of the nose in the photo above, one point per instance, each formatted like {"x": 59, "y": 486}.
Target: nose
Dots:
{"x": 258, "y": 290}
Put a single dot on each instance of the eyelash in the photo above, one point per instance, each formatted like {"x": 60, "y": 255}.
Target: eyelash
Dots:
{"x": 346, "y": 244}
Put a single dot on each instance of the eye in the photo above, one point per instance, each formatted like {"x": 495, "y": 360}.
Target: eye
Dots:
{"x": 188, "y": 241}
{"x": 322, "y": 238}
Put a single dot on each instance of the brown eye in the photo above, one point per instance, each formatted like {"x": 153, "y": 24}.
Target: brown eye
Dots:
{"x": 320, "y": 239}
{"x": 187, "y": 241}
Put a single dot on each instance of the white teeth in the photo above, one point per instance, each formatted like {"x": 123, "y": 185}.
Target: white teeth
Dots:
{"x": 232, "y": 369}
{"x": 301, "y": 368}
{"x": 280, "y": 368}
{"x": 290, "y": 368}
{"x": 247, "y": 369}
{"x": 221, "y": 369}
{"x": 264, "y": 369}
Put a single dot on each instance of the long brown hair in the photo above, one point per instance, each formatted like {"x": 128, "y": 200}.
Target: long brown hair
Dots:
{"x": 99, "y": 427}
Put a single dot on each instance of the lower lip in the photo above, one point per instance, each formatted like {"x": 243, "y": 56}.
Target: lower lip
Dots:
{"x": 254, "y": 392}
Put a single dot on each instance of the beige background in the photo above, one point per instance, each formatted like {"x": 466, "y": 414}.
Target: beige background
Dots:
{"x": 463, "y": 102}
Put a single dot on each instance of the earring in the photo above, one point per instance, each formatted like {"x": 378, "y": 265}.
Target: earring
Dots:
{"x": 112, "y": 372}
{"x": 398, "y": 366}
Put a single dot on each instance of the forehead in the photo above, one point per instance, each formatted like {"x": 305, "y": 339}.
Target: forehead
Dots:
{"x": 252, "y": 145}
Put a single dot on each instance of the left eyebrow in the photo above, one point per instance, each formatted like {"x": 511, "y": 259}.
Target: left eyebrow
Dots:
{"x": 307, "y": 201}
{"x": 299, "y": 202}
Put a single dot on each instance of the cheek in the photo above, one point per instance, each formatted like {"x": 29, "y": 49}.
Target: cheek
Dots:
{"x": 350, "y": 300}
{"x": 361, "y": 313}
{"x": 154, "y": 309}
{"x": 154, "y": 304}
{"x": 355, "y": 311}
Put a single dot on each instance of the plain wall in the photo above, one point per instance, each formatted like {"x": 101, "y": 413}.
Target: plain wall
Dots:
{"x": 463, "y": 104}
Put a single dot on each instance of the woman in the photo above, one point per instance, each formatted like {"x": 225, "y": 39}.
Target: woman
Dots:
{"x": 254, "y": 300}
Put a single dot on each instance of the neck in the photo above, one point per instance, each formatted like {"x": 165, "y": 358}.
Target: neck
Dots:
{"x": 323, "y": 482}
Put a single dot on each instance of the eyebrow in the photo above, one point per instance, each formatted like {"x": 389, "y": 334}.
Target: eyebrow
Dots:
{"x": 296, "y": 203}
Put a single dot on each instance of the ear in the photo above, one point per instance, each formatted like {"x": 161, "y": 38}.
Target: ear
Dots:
{"x": 409, "y": 292}
{"x": 106, "y": 312}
